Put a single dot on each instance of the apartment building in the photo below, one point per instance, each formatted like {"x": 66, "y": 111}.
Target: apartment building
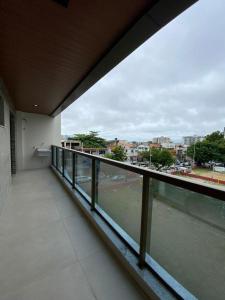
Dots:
{"x": 168, "y": 145}
{"x": 181, "y": 152}
{"x": 161, "y": 140}
{"x": 192, "y": 139}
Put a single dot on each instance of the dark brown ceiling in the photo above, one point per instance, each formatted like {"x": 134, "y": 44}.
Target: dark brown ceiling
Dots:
{"x": 46, "y": 49}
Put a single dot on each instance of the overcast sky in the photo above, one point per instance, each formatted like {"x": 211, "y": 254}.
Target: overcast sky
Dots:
{"x": 173, "y": 85}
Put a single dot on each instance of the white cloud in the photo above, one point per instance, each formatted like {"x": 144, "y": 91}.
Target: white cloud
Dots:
{"x": 172, "y": 85}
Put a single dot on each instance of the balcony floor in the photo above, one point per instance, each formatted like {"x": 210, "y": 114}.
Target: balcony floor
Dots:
{"x": 50, "y": 251}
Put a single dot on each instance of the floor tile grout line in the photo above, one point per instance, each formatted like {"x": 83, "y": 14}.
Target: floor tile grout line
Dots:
{"x": 89, "y": 283}
{"x": 78, "y": 261}
{"x": 93, "y": 251}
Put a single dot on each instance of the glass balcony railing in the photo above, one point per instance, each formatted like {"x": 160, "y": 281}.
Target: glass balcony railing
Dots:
{"x": 68, "y": 165}
{"x": 59, "y": 159}
{"x": 83, "y": 175}
{"x": 119, "y": 197}
{"x": 187, "y": 238}
{"x": 176, "y": 227}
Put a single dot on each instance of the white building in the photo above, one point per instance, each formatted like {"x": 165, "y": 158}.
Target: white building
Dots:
{"x": 168, "y": 145}
{"x": 192, "y": 139}
{"x": 142, "y": 148}
{"x": 161, "y": 140}
{"x": 132, "y": 154}
{"x": 71, "y": 144}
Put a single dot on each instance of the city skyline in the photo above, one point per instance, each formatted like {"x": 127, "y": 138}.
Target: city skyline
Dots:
{"x": 154, "y": 140}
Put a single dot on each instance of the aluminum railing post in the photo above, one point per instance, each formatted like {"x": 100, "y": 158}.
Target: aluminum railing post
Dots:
{"x": 145, "y": 222}
{"x": 52, "y": 153}
{"x": 94, "y": 186}
{"x": 63, "y": 162}
{"x": 56, "y": 153}
{"x": 73, "y": 170}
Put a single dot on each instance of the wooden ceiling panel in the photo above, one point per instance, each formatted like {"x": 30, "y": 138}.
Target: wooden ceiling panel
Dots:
{"x": 46, "y": 49}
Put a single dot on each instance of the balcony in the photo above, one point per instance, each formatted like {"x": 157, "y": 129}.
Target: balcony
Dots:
{"x": 174, "y": 227}
{"x": 50, "y": 251}
{"x": 159, "y": 224}
{"x": 168, "y": 233}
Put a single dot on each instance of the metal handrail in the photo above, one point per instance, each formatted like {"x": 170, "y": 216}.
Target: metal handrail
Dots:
{"x": 185, "y": 183}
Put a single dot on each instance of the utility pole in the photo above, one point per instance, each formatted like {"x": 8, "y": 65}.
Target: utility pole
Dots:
{"x": 150, "y": 157}
{"x": 194, "y": 154}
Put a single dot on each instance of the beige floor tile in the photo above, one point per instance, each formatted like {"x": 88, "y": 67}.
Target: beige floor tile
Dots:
{"x": 69, "y": 283}
{"x": 83, "y": 237}
{"x": 48, "y": 249}
{"x": 31, "y": 256}
{"x": 108, "y": 279}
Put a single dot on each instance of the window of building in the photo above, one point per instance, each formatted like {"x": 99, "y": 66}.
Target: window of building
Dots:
{"x": 2, "y": 119}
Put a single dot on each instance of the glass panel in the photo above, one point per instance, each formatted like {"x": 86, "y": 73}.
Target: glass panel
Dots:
{"x": 84, "y": 174}
{"x": 188, "y": 238}
{"x": 59, "y": 159}
{"x": 68, "y": 165}
{"x": 54, "y": 156}
{"x": 120, "y": 196}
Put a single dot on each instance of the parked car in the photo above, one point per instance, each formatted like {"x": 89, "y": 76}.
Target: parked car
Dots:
{"x": 185, "y": 169}
{"x": 219, "y": 168}
{"x": 219, "y": 164}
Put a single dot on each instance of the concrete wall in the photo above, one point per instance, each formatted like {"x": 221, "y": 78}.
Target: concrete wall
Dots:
{"x": 35, "y": 131}
{"x": 5, "y": 160}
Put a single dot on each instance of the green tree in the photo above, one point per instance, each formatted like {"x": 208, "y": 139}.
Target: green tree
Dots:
{"x": 159, "y": 158}
{"x": 90, "y": 140}
{"x": 118, "y": 153}
{"x": 221, "y": 150}
{"x": 211, "y": 149}
{"x": 215, "y": 137}
{"x": 203, "y": 152}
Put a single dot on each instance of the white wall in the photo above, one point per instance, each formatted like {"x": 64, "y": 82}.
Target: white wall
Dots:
{"x": 5, "y": 159}
{"x": 35, "y": 131}
{"x": 32, "y": 130}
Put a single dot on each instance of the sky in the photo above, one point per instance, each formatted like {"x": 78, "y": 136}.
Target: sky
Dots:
{"x": 172, "y": 85}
